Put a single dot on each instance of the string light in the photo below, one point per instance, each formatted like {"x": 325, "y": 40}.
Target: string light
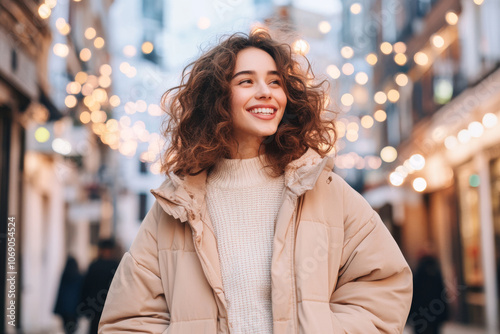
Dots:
{"x": 451, "y": 18}
{"x": 333, "y": 71}
{"x": 356, "y": 8}
{"x": 371, "y": 59}
{"x": 421, "y": 58}
{"x": 380, "y": 115}
{"x": 361, "y": 78}
{"x": 129, "y": 51}
{"x": 380, "y": 97}
{"x": 85, "y": 54}
{"x": 388, "y": 154}
{"x": 324, "y": 27}
{"x": 437, "y": 41}
{"x": 400, "y": 59}
{"x": 393, "y": 95}
{"x": 44, "y": 11}
{"x": 99, "y": 42}
{"x": 400, "y": 47}
{"x": 367, "y": 121}
{"x": 90, "y": 33}
{"x": 203, "y": 23}
{"x": 490, "y": 120}
{"x": 347, "y": 99}
{"x": 386, "y": 48}
{"x": 347, "y": 69}
{"x": 401, "y": 79}
{"x": 147, "y": 47}
{"x": 301, "y": 47}
{"x": 347, "y": 52}
{"x": 419, "y": 184}
{"x": 60, "y": 50}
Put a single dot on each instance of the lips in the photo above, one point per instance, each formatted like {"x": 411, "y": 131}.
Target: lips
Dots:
{"x": 262, "y": 109}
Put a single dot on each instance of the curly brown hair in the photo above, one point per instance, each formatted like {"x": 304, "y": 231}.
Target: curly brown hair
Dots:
{"x": 199, "y": 125}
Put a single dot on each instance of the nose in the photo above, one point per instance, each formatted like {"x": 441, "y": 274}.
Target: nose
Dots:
{"x": 263, "y": 91}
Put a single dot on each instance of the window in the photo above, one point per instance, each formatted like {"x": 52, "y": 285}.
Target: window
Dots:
{"x": 143, "y": 167}
{"x": 142, "y": 205}
{"x": 153, "y": 10}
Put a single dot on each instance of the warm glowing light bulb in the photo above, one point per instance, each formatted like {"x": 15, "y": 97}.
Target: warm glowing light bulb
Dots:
{"x": 356, "y": 8}
{"x": 401, "y": 79}
{"x": 393, "y": 95}
{"x": 301, "y": 47}
{"x": 388, "y": 154}
{"x": 386, "y": 48}
{"x": 437, "y": 41}
{"x": 417, "y": 162}
{"x": 400, "y": 59}
{"x": 380, "y": 115}
{"x": 371, "y": 59}
{"x": 348, "y": 69}
{"x": 42, "y": 134}
{"x": 347, "y": 99}
{"x": 324, "y": 27}
{"x": 204, "y": 23}
{"x": 347, "y": 52}
{"x": 450, "y": 142}
{"x": 60, "y": 50}
{"x": 361, "y": 78}
{"x": 419, "y": 184}
{"x": 451, "y": 18}
{"x": 99, "y": 42}
{"x": 333, "y": 71}
{"x": 129, "y": 51}
{"x": 476, "y": 129}
{"x": 399, "y": 47}
{"x": 421, "y": 58}
{"x": 367, "y": 121}
{"x": 464, "y": 136}
{"x": 90, "y": 33}
{"x": 396, "y": 179}
{"x": 490, "y": 120}
{"x": 44, "y": 11}
{"x": 380, "y": 97}
{"x": 85, "y": 54}
{"x": 70, "y": 101}
{"x": 147, "y": 47}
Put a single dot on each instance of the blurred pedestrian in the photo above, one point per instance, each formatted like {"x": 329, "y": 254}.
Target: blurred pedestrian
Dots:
{"x": 252, "y": 232}
{"x": 96, "y": 283}
{"x": 68, "y": 295}
{"x": 429, "y": 308}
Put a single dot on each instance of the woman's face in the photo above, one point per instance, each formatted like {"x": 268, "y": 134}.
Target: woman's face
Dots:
{"x": 258, "y": 100}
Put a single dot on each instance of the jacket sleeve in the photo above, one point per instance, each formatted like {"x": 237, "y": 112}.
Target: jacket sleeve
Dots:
{"x": 136, "y": 300}
{"x": 374, "y": 287}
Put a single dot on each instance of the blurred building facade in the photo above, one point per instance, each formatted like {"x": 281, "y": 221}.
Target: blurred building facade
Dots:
{"x": 436, "y": 80}
{"x": 51, "y": 161}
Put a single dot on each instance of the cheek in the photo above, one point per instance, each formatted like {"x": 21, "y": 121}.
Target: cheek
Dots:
{"x": 282, "y": 99}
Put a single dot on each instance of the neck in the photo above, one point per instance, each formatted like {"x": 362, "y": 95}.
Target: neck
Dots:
{"x": 246, "y": 149}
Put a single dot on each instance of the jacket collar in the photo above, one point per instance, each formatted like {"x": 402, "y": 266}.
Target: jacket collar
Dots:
{"x": 183, "y": 198}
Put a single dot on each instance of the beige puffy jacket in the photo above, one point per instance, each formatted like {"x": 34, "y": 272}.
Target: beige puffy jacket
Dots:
{"x": 335, "y": 266}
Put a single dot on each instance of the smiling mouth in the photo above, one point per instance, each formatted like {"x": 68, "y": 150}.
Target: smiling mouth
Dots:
{"x": 263, "y": 111}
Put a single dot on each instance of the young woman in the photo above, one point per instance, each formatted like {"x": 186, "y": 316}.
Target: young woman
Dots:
{"x": 252, "y": 232}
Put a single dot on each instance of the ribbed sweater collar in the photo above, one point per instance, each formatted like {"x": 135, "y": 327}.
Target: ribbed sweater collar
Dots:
{"x": 239, "y": 173}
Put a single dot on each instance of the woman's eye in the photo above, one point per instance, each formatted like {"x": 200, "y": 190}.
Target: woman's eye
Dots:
{"x": 246, "y": 81}
{"x": 275, "y": 82}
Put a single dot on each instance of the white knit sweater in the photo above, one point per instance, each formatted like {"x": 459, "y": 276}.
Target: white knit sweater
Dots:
{"x": 243, "y": 202}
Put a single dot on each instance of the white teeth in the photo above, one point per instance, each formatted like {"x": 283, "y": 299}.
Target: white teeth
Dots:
{"x": 265, "y": 111}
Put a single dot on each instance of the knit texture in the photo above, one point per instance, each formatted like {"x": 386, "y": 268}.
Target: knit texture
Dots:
{"x": 243, "y": 203}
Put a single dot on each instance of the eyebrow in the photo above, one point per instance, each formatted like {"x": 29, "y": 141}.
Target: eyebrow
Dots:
{"x": 253, "y": 73}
